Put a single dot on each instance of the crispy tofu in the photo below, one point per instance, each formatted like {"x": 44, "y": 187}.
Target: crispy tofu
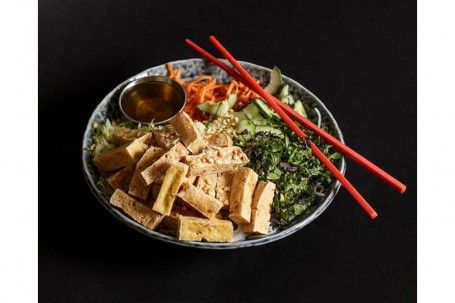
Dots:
{"x": 242, "y": 190}
{"x": 139, "y": 212}
{"x": 159, "y": 181}
{"x": 155, "y": 191}
{"x": 217, "y": 160}
{"x": 207, "y": 183}
{"x": 191, "y": 180}
{"x": 121, "y": 156}
{"x": 122, "y": 178}
{"x": 159, "y": 168}
{"x": 198, "y": 229}
{"x": 223, "y": 187}
{"x": 170, "y": 222}
{"x": 171, "y": 184}
{"x": 218, "y": 139}
{"x": 165, "y": 138}
{"x": 124, "y": 135}
{"x": 138, "y": 188}
{"x": 260, "y": 208}
{"x": 196, "y": 198}
{"x": 185, "y": 128}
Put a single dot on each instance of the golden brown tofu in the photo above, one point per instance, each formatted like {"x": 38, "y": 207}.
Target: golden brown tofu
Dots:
{"x": 170, "y": 222}
{"x": 122, "y": 178}
{"x": 218, "y": 139}
{"x": 165, "y": 138}
{"x": 207, "y": 183}
{"x": 171, "y": 184}
{"x": 155, "y": 191}
{"x": 138, "y": 188}
{"x": 223, "y": 187}
{"x": 139, "y": 212}
{"x": 260, "y": 209}
{"x": 191, "y": 180}
{"x": 185, "y": 128}
{"x": 125, "y": 135}
{"x": 216, "y": 160}
{"x": 242, "y": 190}
{"x": 159, "y": 168}
{"x": 197, "y": 199}
{"x": 198, "y": 229}
{"x": 121, "y": 156}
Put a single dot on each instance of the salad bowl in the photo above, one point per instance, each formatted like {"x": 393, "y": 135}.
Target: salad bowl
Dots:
{"x": 108, "y": 108}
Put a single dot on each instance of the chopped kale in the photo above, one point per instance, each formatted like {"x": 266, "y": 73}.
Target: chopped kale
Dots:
{"x": 290, "y": 164}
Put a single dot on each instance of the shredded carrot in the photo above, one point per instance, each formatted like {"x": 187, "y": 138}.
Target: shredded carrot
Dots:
{"x": 205, "y": 88}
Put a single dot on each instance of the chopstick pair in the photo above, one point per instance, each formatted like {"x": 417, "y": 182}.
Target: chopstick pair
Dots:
{"x": 283, "y": 111}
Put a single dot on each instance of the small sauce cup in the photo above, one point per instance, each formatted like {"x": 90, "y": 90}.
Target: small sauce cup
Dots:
{"x": 150, "y": 99}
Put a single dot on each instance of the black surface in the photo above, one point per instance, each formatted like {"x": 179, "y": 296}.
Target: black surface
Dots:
{"x": 358, "y": 57}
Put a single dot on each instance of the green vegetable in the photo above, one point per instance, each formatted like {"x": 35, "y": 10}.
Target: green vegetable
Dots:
{"x": 298, "y": 107}
{"x": 283, "y": 92}
{"x": 290, "y": 164}
{"x": 208, "y": 107}
{"x": 275, "y": 81}
{"x": 218, "y": 109}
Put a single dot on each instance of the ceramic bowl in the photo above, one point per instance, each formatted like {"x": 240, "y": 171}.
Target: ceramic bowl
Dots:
{"x": 191, "y": 68}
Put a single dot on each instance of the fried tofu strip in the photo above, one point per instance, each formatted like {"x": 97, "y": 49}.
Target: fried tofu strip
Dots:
{"x": 206, "y": 205}
{"x": 175, "y": 176}
{"x": 122, "y": 178}
{"x": 155, "y": 191}
{"x": 217, "y": 160}
{"x": 242, "y": 190}
{"x": 121, "y": 156}
{"x": 165, "y": 137}
{"x": 138, "y": 188}
{"x": 207, "y": 183}
{"x": 260, "y": 209}
{"x": 185, "y": 128}
{"x": 223, "y": 187}
{"x": 139, "y": 212}
{"x": 125, "y": 135}
{"x": 218, "y": 139}
{"x": 191, "y": 180}
{"x": 170, "y": 222}
{"x": 159, "y": 168}
{"x": 198, "y": 229}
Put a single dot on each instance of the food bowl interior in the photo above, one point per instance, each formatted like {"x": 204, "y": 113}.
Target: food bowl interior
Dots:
{"x": 190, "y": 69}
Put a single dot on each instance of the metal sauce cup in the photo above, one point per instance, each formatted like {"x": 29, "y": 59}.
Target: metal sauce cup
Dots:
{"x": 150, "y": 99}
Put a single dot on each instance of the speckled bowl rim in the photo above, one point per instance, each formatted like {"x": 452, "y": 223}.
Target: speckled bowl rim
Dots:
{"x": 207, "y": 245}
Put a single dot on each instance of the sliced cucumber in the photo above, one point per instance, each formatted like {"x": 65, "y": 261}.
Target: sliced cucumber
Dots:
{"x": 223, "y": 108}
{"x": 252, "y": 113}
{"x": 264, "y": 109}
{"x": 208, "y": 107}
{"x": 218, "y": 109}
{"x": 231, "y": 100}
{"x": 284, "y": 92}
{"x": 200, "y": 126}
{"x": 298, "y": 107}
{"x": 245, "y": 125}
{"x": 275, "y": 81}
{"x": 240, "y": 115}
{"x": 269, "y": 129}
{"x": 289, "y": 100}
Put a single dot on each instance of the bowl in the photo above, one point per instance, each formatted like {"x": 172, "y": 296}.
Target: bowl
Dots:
{"x": 154, "y": 99}
{"x": 190, "y": 69}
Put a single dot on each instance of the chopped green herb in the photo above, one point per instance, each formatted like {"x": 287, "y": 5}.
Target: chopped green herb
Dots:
{"x": 291, "y": 165}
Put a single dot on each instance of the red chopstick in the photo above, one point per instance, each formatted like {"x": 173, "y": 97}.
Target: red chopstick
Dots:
{"x": 340, "y": 146}
{"x": 268, "y": 98}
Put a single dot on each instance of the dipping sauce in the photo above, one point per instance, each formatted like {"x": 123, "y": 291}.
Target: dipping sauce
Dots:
{"x": 152, "y": 98}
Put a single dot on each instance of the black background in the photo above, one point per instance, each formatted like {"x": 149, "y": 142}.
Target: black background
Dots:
{"x": 358, "y": 57}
